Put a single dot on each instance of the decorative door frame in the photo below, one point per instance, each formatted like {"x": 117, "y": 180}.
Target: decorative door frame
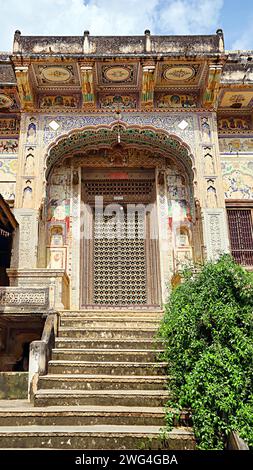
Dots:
{"x": 153, "y": 278}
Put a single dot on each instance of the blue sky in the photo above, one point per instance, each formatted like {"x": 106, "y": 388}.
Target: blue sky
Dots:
{"x": 123, "y": 17}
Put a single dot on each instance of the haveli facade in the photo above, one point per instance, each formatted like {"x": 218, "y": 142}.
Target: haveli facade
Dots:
{"x": 160, "y": 121}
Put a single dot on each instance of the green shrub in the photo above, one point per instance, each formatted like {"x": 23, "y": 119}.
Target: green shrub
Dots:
{"x": 208, "y": 334}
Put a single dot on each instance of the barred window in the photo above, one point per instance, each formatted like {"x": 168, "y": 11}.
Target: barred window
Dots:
{"x": 240, "y": 223}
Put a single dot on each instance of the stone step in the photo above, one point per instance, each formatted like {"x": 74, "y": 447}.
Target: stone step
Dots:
{"x": 79, "y": 322}
{"x": 112, "y": 368}
{"x": 24, "y": 414}
{"x": 98, "y": 437}
{"x": 102, "y": 382}
{"x": 53, "y": 397}
{"x": 114, "y": 313}
{"x": 107, "y": 333}
{"x": 108, "y": 343}
{"x": 124, "y": 355}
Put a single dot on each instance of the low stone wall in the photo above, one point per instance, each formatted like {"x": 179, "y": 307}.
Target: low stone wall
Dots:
{"x": 24, "y": 298}
{"x": 13, "y": 385}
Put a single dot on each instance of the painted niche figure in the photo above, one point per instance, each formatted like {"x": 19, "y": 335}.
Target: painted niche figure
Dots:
{"x": 211, "y": 197}
{"x": 87, "y": 86}
{"x": 148, "y": 86}
{"x": 56, "y": 238}
{"x": 31, "y": 132}
{"x": 209, "y": 165}
{"x": 59, "y": 211}
{"x": 206, "y": 129}
{"x": 29, "y": 165}
{"x": 27, "y": 198}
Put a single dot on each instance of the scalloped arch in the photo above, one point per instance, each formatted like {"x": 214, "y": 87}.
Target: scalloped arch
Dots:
{"x": 105, "y": 136}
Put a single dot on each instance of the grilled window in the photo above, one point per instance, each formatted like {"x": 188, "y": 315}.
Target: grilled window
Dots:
{"x": 240, "y": 222}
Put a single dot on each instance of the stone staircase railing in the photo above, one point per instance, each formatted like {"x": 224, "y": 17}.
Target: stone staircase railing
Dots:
{"x": 19, "y": 299}
{"x": 235, "y": 442}
{"x": 40, "y": 353}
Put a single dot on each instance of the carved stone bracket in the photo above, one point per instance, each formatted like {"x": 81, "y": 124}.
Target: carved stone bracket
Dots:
{"x": 210, "y": 98}
{"x": 24, "y": 88}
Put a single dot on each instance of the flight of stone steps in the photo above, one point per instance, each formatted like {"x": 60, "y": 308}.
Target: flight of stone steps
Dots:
{"x": 105, "y": 388}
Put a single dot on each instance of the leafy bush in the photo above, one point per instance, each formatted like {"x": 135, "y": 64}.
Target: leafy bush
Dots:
{"x": 208, "y": 334}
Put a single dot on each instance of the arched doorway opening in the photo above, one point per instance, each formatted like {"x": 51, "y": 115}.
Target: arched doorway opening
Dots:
{"x": 105, "y": 187}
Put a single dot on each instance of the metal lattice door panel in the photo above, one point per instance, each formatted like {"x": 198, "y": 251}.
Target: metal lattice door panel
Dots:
{"x": 120, "y": 259}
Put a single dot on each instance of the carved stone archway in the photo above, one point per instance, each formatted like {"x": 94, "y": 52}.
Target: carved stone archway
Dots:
{"x": 105, "y": 136}
{"x": 121, "y": 146}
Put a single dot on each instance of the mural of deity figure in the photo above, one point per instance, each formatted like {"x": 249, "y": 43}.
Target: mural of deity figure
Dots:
{"x": 56, "y": 238}
{"x": 209, "y": 164}
{"x": 87, "y": 84}
{"x": 148, "y": 85}
{"x": 28, "y": 197}
{"x": 58, "y": 210}
{"x": 206, "y": 131}
{"x": 29, "y": 165}
{"x": 211, "y": 197}
{"x": 31, "y": 132}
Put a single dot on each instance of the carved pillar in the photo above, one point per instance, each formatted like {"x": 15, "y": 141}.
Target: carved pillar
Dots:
{"x": 28, "y": 172}
{"x": 87, "y": 87}
{"x": 215, "y": 228}
{"x": 166, "y": 255}
{"x": 215, "y": 232}
{"x": 197, "y": 235}
{"x": 25, "y": 243}
{"x": 75, "y": 255}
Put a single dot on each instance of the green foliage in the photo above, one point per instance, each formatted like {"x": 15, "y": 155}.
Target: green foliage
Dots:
{"x": 207, "y": 330}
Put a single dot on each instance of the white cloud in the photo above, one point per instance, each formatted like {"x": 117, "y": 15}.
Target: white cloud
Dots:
{"x": 107, "y": 17}
{"x": 244, "y": 42}
{"x": 190, "y": 17}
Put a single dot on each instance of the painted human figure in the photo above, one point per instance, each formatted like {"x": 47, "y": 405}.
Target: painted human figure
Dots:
{"x": 206, "y": 129}
{"x": 211, "y": 197}
{"x": 56, "y": 238}
{"x": 29, "y": 165}
{"x": 31, "y": 132}
{"x": 87, "y": 85}
{"x": 209, "y": 164}
{"x": 148, "y": 86}
{"x": 27, "y": 197}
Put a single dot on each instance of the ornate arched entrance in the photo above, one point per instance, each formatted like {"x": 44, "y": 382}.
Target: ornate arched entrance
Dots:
{"x": 120, "y": 213}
